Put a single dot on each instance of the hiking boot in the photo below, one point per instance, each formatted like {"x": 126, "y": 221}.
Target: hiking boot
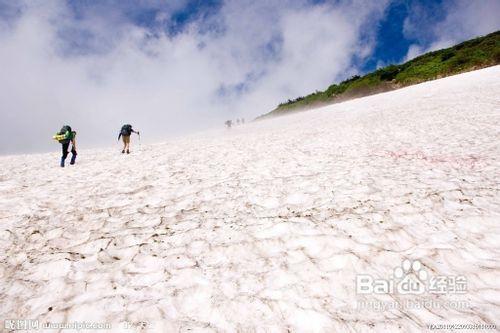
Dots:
{"x": 123, "y": 151}
{"x": 128, "y": 152}
{"x": 62, "y": 162}
{"x": 73, "y": 159}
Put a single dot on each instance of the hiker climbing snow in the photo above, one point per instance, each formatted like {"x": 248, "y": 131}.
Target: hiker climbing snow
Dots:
{"x": 125, "y": 133}
{"x": 66, "y": 136}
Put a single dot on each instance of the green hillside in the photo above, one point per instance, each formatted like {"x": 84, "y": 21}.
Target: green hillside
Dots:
{"x": 470, "y": 55}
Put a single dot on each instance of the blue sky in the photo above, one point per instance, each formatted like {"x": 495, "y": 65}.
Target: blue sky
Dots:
{"x": 171, "y": 67}
{"x": 392, "y": 43}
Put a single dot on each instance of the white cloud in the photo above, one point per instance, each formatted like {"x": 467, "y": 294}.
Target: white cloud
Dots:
{"x": 463, "y": 19}
{"x": 98, "y": 71}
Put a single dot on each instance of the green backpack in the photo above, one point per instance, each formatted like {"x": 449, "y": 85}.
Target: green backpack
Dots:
{"x": 65, "y": 135}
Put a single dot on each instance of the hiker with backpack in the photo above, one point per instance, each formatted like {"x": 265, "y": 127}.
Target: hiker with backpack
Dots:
{"x": 125, "y": 133}
{"x": 66, "y": 136}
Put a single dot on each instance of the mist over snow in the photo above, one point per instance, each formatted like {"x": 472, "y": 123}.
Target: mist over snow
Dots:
{"x": 98, "y": 66}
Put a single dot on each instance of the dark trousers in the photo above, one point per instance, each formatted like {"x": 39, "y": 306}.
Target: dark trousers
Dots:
{"x": 65, "y": 147}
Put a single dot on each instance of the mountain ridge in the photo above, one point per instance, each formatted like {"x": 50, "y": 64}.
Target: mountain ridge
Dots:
{"x": 469, "y": 55}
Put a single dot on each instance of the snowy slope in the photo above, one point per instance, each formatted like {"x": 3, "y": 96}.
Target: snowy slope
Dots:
{"x": 265, "y": 227}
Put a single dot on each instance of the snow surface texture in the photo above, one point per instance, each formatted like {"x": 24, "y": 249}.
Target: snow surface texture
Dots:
{"x": 264, "y": 227}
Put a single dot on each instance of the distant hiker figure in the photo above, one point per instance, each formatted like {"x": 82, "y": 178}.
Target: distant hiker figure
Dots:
{"x": 237, "y": 121}
{"x": 228, "y": 123}
{"x": 66, "y": 136}
{"x": 125, "y": 133}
